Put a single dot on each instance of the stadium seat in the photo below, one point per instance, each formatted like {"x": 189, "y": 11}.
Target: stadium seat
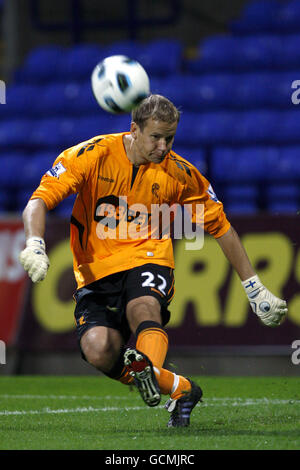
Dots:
{"x": 162, "y": 57}
{"x": 284, "y": 165}
{"x": 12, "y": 170}
{"x": 66, "y": 99}
{"x": 288, "y": 128}
{"x": 282, "y": 192}
{"x": 209, "y": 128}
{"x": 289, "y": 55}
{"x": 50, "y": 133}
{"x": 286, "y": 18}
{"x": 196, "y": 156}
{"x": 241, "y": 208}
{"x": 255, "y": 127}
{"x": 236, "y": 54}
{"x": 42, "y": 65}
{"x": 87, "y": 127}
{"x": 241, "y": 192}
{"x": 20, "y": 101}
{"x": 253, "y": 90}
{"x": 283, "y": 207}
{"x": 22, "y": 196}
{"x": 210, "y": 92}
{"x": 259, "y": 51}
{"x": 257, "y": 16}
{"x": 218, "y": 52}
{"x": 14, "y": 132}
{"x": 5, "y": 201}
{"x": 80, "y": 61}
{"x": 131, "y": 49}
{"x": 238, "y": 165}
{"x": 64, "y": 209}
{"x": 173, "y": 88}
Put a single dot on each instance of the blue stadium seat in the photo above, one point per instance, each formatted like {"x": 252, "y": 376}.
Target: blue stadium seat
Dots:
{"x": 85, "y": 102}
{"x": 129, "y": 48}
{"x": 64, "y": 209}
{"x": 257, "y": 16}
{"x": 50, "y": 133}
{"x": 252, "y": 90}
{"x": 14, "y": 132}
{"x": 288, "y": 128}
{"x": 162, "y": 57}
{"x": 87, "y": 127}
{"x": 259, "y": 52}
{"x": 22, "y": 196}
{"x": 241, "y": 208}
{"x": 209, "y": 128}
{"x": 238, "y": 165}
{"x": 286, "y": 19}
{"x": 80, "y": 61}
{"x": 196, "y": 156}
{"x": 241, "y": 192}
{"x": 282, "y": 192}
{"x": 236, "y": 54}
{"x": 5, "y": 201}
{"x": 52, "y": 100}
{"x": 215, "y": 53}
{"x": 11, "y": 173}
{"x": 173, "y": 87}
{"x": 210, "y": 92}
{"x": 254, "y": 127}
{"x": 283, "y": 207}
{"x": 66, "y": 99}
{"x": 43, "y": 64}
{"x": 20, "y": 101}
{"x": 284, "y": 165}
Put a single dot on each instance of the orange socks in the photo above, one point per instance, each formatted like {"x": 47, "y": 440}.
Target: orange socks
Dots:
{"x": 152, "y": 340}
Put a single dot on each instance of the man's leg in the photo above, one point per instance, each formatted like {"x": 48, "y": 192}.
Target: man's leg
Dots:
{"x": 152, "y": 341}
{"x": 144, "y": 318}
{"x": 101, "y": 347}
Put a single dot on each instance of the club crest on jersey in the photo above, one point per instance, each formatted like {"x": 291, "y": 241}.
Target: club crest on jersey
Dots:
{"x": 57, "y": 170}
{"x": 212, "y": 194}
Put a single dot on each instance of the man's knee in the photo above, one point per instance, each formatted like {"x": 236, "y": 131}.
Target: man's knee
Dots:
{"x": 146, "y": 308}
{"x": 101, "y": 347}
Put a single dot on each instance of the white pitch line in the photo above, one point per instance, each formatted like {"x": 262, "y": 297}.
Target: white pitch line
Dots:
{"x": 62, "y": 397}
{"x": 88, "y": 409}
{"x": 213, "y": 402}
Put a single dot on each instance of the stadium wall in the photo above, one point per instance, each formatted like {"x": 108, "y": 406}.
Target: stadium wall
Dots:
{"x": 212, "y": 328}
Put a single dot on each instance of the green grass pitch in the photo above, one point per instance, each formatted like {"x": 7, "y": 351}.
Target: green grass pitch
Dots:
{"x": 85, "y": 413}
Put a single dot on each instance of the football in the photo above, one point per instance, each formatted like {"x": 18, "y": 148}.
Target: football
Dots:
{"x": 119, "y": 84}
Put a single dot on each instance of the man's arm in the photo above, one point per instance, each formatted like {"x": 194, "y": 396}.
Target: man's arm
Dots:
{"x": 34, "y": 218}
{"x": 236, "y": 254}
{"x": 33, "y": 257}
{"x": 270, "y": 309}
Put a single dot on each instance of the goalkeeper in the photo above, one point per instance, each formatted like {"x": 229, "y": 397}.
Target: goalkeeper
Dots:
{"x": 125, "y": 284}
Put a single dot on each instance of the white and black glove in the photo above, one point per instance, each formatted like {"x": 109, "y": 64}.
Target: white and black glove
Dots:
{"x": 34, "y": 259}
{"x": 268, "y": 308}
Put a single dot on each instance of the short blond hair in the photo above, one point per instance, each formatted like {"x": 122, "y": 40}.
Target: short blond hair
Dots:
{"x": 156, "y": 107}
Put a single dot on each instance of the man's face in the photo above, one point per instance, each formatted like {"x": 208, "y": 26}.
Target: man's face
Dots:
{"x": 154, "y": 142}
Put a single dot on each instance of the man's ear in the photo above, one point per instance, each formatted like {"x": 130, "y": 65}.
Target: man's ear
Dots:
{"x": 133, "y": 129}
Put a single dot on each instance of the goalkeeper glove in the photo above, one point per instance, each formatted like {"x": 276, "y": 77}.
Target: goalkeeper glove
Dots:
{"x": 268, "y": 308}
{"x": 34, "y": 259}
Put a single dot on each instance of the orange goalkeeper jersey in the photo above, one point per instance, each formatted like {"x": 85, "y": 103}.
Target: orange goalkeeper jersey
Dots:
{"x": 111, "y": 229}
